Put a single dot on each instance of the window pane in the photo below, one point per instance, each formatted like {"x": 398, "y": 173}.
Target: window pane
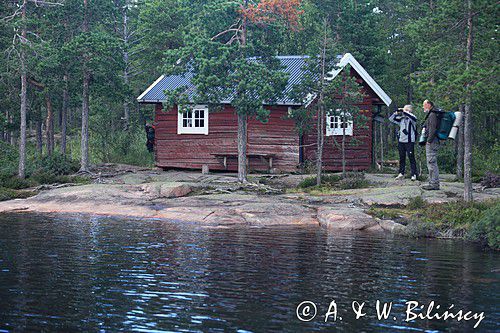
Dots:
{"x": 184, "y": 123}
{"x": 196, "y": 113}
{"x": 202, "y": 113}
{"x": 196, "y": 123}
{"x": 202, "y": 123}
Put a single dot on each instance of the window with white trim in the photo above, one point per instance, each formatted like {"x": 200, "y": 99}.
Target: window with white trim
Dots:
{"x": 193, "y": 120}
{"x": 336, "y": 122}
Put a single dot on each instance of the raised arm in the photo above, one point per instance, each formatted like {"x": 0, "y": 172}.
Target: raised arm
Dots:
{"x": 393, "y": 119}
{"x": 410, "y": 115}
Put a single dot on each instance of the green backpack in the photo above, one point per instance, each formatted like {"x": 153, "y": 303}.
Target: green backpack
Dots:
{"x": 446, "y": 120}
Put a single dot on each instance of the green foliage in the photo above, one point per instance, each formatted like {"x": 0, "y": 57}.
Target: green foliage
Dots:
{"x": 332, "y": 182}
{"x": 416, "y": 203}
{"x": 486, "y": 160}
{"x": 353, "y": 180}
{"x": 57, "y": 164}
{"x": 9, "y": 194}
{"x": 326, "y": 179}
{"x": 127, "y": 147}
{"x": 478, "y": 221}
{"x": 487, "y": 229}
{"x": 17, "y": 183}
{"x": 43, "y": 177}
{"x": 8, "y": 160}
{"x": 413, "y": 49}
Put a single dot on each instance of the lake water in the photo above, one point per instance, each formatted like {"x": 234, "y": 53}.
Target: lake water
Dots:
{"x": 78, "y": 273}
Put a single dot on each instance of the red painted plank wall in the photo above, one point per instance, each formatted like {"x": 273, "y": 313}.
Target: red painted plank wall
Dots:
{"x": 358, "y": 149}
{"x": 277, "y": 137}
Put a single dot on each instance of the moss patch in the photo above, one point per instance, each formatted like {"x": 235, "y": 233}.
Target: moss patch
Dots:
{"x": 331, "y": 184}
{"x": 477, "y": 221}
{"x": 9, "y": 194}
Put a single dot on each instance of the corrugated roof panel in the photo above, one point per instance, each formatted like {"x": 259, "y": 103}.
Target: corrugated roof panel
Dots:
{"x": 293, "y": 65}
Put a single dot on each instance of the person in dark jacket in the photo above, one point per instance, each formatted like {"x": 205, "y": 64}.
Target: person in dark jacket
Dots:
{"x": 406, "y": 139}
{"x": 432, "y": 144}
{"x": 150, "y": 137}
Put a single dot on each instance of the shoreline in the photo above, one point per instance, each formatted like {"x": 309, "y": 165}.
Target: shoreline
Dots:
{"x": 218, "y": 200}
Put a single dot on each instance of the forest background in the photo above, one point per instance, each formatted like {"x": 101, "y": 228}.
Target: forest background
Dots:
{"x": 71, "y": 66}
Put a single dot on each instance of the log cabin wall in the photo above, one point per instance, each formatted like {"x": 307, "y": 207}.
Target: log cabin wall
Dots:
{"x": 191, "y": 151}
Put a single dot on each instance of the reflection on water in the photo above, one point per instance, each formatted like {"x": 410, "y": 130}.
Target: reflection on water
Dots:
{"x": 91, "y": 274}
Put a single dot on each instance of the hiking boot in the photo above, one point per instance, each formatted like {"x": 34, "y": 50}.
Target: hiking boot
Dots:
{"x": 413, "y": 178}
{"x": 400, "y": 176}
{"x": 430, "y": 187}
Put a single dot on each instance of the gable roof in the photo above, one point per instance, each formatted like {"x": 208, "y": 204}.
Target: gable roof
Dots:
{"x": 293, "y": 65}
{"x": 349, "y": 59}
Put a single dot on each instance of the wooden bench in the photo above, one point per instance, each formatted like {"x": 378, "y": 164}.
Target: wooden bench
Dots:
{"x": 266, "y": 158}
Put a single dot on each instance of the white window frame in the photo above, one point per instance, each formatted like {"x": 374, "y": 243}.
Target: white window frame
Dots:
{"x": 191, "y": 118}
{"x": 333, "y": 120}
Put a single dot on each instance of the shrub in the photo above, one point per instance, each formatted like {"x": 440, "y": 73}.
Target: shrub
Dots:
{"x": 330, "y": 180}
{"x": 8, "y": 160}
{"x": 9, "y": 194}
{"x": 490, "y": 180}
{"x": 487, "y": 229}
{"x": 417, "y": 229}
{"x": 416, "y": 203}
{"x": 353, "y": 180}
{"x": 57, "y": 164}
{"x": 42, "y": 177}
{"x": 16, "y": 183}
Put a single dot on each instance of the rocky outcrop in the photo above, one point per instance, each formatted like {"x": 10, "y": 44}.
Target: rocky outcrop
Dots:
{"x": 345, "y": 218}
{"x": 166, "y": 190}
{"x": 219, "y": 200}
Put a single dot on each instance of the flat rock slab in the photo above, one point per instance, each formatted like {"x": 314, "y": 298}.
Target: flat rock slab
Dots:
{"x": 167, "y": 201}
{"x": 401, "y": 194}
{"x": 345, "y": 218}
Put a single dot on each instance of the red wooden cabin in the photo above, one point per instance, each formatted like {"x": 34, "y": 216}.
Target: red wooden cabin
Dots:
{"x": 199, "y": 137}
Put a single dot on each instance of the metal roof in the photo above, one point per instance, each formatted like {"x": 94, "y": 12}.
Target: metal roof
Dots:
{"x": 293, "y": 65}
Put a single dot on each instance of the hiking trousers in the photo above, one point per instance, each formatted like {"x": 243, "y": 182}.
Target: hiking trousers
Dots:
{"x": 407, "y": 148}
{"x": 431, "y": 152}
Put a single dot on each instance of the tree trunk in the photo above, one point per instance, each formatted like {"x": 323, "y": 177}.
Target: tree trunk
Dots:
{"x": 126, "y": 103}
{"x": 24, "y": 76}
{"x": 242, "y": 148}
{"x": 460, "y": 149}
{"x": 84, "y": 161}
{"x": 49, "y": 126}
{"x": 321, "y": 108}
{"x": 64, "y": 115}
{"x": 320, "y": 140}
{"x": 468, "y": 114}
{"x": 10, "y": 133}
{"x": 242, "y": 122}
{"x": 39, "y": 135}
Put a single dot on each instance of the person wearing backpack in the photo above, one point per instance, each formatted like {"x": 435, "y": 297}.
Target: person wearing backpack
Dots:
{"x": 406, "y": 139}
{"x": 432, "y": 143}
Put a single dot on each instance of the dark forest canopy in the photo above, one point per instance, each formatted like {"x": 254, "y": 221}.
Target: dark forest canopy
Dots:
{"x": 110, "y": 51}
